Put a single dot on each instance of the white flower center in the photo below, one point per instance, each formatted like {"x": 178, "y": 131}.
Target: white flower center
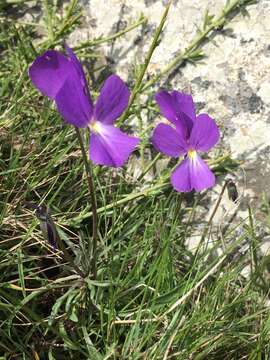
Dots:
{"x": 192, "y": 154}
{"x": 95, "y": 126}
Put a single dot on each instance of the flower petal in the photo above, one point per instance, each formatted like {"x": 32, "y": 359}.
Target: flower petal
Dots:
{"x": 185, "y": 104}
{"x": 73, "y": 102}
{"x": 112, "y": 101}
{"x": 204, "y": 134}
{"x": 78, "y": 66}
{"x": 49, "y": 71}
{"x": 111, "y": 147}
{"x": 200, "y": 175}
{"x": 167, "y": 106}
{"x": 180, "y": 178}
{"x": 76, "y": 62}
{"x": 168, "y": 141}
{"x": 192, "y": 174}
{"x": 172, "y": 108}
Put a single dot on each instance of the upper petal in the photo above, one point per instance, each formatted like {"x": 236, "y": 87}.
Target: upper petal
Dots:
{"x": 112, "y": 101}
{"x": 168, "y": 141}
{"x": 185, "y": 104}
{"x": 78, "y": 66}
{"x": 204, "y": 134}
{"x": 172, "y": 108}
{"x": 73, "y": 102}
{"x": 49, "y": 71}
{"x": 76, "y": 62}
{"x": 167, "y": 106}
{"x": 110, "y": 146}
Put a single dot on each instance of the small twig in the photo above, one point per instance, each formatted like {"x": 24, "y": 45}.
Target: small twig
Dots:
{"x": 214, "y": 211}
{"x": 130, "y": 322}
{"x": 91, "y": 188}
{"x": 96, "y": 42}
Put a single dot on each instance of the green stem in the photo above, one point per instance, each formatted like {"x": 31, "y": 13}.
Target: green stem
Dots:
{"x": 96, "y": 42}
{"x": 91, "y": 188}
{"x": 142, "y": 143}
{"x": 149, "y": 166}
{"x": 138, "y": 83}
{"x": 207, "y": 228}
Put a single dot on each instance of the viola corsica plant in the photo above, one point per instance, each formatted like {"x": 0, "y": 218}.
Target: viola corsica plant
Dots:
{"x": 191, "y": 134}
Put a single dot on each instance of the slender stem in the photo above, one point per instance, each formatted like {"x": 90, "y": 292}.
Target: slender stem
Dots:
{"x": 148, "y": 57}
{"x": 142, "y": 143}
{"x": 96, "y": 42}
{"x": 207, "y": 228}
{"x": 91, "y": 188}
{"x": 149, "y": 166}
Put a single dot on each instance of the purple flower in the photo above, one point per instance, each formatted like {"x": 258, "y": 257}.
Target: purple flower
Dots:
{"x": 191, "y": 134}
{"x": 62, "y": 79}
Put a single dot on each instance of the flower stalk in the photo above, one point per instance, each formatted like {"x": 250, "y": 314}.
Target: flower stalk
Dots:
{"x": 91, "y": 189}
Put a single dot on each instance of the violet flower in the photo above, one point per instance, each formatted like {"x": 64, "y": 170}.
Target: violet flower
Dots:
{"x": 62, "y": 79}
{"x": 191, "y": 134}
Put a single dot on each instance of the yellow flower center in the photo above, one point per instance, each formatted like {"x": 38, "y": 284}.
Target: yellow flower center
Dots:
{"x": 192, "y": 154}
{"x": 95, "y": 127}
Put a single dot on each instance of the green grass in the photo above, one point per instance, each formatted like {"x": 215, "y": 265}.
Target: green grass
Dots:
{"x": 153, "y": 298}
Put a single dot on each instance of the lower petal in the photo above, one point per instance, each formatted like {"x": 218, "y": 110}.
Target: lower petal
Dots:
{"x": 180, "y": 178}
{"x": 110, "y": 146}
{"x": 192, "y": 174}
{"x": 201, "y": 176}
